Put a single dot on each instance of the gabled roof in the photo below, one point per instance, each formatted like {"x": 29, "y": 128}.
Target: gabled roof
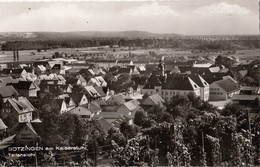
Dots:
{"x": 108, "y": 115}
{"x": 100, "y": 102}
{"x": 8, "y": 91}
{"x": 23, "y": 85}
{"x": 245, "y": 97}
{"x": 5, "y": 80}
{"x": 59, "y": 101}
{"x": 77, "y": 97}
{"x": 56, "y": 66}
{"x": 100, "y": 91}
{"x": 92, "y": 91}
{"x": 227, "y": 84}
{"x": 118, "y": 97}
{"x": 132, "y": 105}
{"x": 178, "y": 83}
{"x": 2, "y": 125}
{"x": 81, "y": 110}
{"x": 198, "y": 80}
{"x": 81, "y": 79}
{"x": 156, "y": 99}
{"x": 41, "y": 68}
{"x": 123, "y": 70}
{"x": 92, "y": 107}
{"x": 29, "y": 125}
{"x": 243, "y": 73}
{"x": 21, "y": 105}
{"x": 119, "y": 121}
{"x": 12, "y": 71}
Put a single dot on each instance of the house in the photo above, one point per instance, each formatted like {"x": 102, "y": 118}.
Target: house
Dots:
{"x": 125, "y": 70}
{"x": 40, "y": 69}
{"x": 204, "y": 86}
{"x": 26, "y": 88}
{"x": 27, "y": 135}
{"x": 117, "y": 99}
{"x": 97, "y": 81}
{"x": 5, "y": 80}
{"x": 81, "y": 80}
{"x": 246, "y": 100}
{"x": 61, "y": 104}
{"x": 20, "y": 108}
{"x": 223, "y": 89}
{"x": 15, "y": 73}
{"x": 83, "y": 112}
{"x": 116, "y": 124}
{"x": 108, "y": 116}
{"x": 242, "y": 73}
{"x": 51, "y": 86}
{"x": 174, "y": 85}
{"x": 67, "y": 88}
{"x": 2, "y": 125}
{"x": 79, "y": 98}
{"x": 56, "y": 68}
{"x": 152, "y": 101}
{"x": 70, "y": 104}
{"x": 8, "y": 91}
{"x": 248, "y": 90}
{"x": 129, "y": 108}
{"x": 94, "y": 92}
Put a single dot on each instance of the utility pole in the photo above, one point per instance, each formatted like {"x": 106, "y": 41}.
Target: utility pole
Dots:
{"x": 95, "y": 153}
{"x": 148, "y": 150}
{"x": 35, "y": 154}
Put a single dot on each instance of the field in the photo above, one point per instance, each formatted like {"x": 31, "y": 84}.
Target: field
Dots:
{"x": 27, "y": 55}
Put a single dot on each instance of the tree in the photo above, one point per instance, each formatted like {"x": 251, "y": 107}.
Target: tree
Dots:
{"x": 139, "y": 118}
{"x": 128, "y": 130}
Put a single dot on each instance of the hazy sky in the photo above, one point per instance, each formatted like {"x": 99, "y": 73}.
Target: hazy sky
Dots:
{"x": 175, "y": 16}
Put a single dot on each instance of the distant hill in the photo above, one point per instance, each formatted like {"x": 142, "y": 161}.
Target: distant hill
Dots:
{"x": 21, "y": 36}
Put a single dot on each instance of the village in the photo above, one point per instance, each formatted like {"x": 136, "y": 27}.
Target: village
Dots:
{"x": 102, "y": 106}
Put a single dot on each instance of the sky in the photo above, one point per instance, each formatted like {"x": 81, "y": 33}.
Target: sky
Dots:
{"x": 187, "y": 17}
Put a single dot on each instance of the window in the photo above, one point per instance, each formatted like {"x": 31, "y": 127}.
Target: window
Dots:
{"x": 205, "y": 83}
{"x": 184, "y": 93}
{"x": 195, "y": 86}
{"x": 166, "y": 93}
{"x": 157, "y": 90}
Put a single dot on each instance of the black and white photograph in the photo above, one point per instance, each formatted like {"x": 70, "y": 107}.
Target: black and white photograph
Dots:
{"x": 130, "y": 83}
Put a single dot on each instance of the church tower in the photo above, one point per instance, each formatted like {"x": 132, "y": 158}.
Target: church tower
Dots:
{"x": 161, "y": 67}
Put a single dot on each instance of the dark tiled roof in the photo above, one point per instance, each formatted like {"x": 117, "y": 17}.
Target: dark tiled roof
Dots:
{"x": 119, "y": 98}
{"x": 12, "y": 71}
{"x": 8, "y": 91}
{"x": 57, "y": 66}
{"x": 122, "y": 70}
{"x": 228, "y": 85}
{"x": 76, "y": 97}
{"x": 100, "y": 91}
{"x": 177, "y": 83}
{"x": 22, "y": 85}
{"x": 152, "y": 82}
{"x": 245, "y": 97}
{"x": 197, "y": 80}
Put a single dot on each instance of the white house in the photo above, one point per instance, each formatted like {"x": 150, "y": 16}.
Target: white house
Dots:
{"x": 223, "y": 89}
{"x": 174, "y": 85}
